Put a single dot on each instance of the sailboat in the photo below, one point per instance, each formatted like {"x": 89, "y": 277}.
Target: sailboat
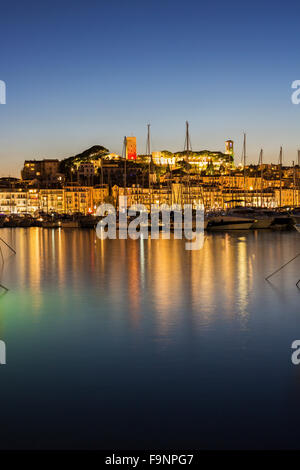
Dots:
{"x": 226, "y": 222}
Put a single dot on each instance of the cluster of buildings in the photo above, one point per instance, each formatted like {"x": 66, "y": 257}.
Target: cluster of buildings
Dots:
{"x": 66, "y": 200}
{"x": 210, "y": 178}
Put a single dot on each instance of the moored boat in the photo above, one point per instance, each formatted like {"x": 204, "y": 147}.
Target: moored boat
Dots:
{"x": 282, "y": 221}
{"x": 2, "y": 220}
{"x": 224, "y": 223}
{"x": 50, "y": 224}
{"x": 88, "y": 221}
{"x": 295, "y": 214}
{"x": 262, "y": 218}
{"x": 70, "y": 224}
{"x": 12, "y": 221}
{"x": 26, "y": 221}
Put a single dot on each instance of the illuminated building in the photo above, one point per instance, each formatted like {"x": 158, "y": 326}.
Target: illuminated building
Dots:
{"x": 78, "y": 199}
{"x": 86, "y": 169}
{"x": 164, "y": 158}
{"x": 49, "y": 169}
{"x": 200, "y": 160}
{"x": 229, "y": 148}
{"x": 52, "y": 200}
{"x": 31, "y": 169}
{"x": 99, "y": 195}
{"x": 289, "y": 197}
{"x": 13, "y": 201}
{"x": 33, "y": 201}
{"x": 46, "y": 169}
{"x": 131, "y": 148}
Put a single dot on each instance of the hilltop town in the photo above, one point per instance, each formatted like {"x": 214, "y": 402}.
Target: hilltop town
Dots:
{"x": 78, "y": 184}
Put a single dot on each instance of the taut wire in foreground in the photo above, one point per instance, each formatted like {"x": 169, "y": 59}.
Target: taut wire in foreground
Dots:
{"x": 12, "y": 249}
{"x": 283, "y": 266}
{"x": 1, "y": 252}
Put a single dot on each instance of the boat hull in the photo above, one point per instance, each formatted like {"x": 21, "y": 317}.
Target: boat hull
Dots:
{"x": 50, "y": 224}
{"x": 225, "y": 226}
{"x": 262, "y": 223}
{"x": 296, "y": 219}
{"x": 70, "y": 224}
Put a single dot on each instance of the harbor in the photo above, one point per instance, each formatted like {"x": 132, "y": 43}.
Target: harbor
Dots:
{"x": 240, "y": 218}
{"x": 149, "y": 232}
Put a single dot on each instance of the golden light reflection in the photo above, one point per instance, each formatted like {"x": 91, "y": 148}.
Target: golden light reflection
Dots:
{"x": 138, "y": 276}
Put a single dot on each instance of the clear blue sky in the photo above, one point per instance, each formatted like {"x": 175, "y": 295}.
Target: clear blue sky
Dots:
{"x": 81, "y": 73}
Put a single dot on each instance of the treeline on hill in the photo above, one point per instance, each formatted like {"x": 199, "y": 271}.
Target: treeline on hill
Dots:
{"x": 137, "y": 171}
{"x": 93, "y": 153}
{"x": 112, "y": 173}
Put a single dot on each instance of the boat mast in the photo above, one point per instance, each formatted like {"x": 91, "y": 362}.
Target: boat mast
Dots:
{"x": 125, "y": 164}
{"x": 294, "y": 185}
{"x": 187, "y": 145}
{"x": 244, "y": 163}
{"x": 298, "y": 178}
{"x": 148, "y": 152}
{"x": 261, "y": 177}
{"x": 280, "y": 176}
{"x": 102, "y": 189}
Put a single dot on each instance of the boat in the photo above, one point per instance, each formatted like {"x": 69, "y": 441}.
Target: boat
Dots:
{"x": 282, "y": 221}
{"x": 25, "y": 221}
{"x": 88, "y": 221}
{"x": 2, "y": 220}
{"x": 12, "y": 220}
{"x": 262, "y": 218}
{"x": 295, "y": 214}
{"x": 50, "y": 224}
{"x": 70, "y": 224}
{"x": 225, "y": 222}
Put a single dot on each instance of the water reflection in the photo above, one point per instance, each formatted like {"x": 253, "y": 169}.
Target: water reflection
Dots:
{"x": 146, "y": 274}
{"x": 104, "y": 336}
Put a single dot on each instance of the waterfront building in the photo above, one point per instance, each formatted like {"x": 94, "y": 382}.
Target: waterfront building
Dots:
{"x": 78, "y": 199}
{"x": 33, "y": 201}
{"x": 52, "y": 200}
{"x": 211, "y": 192}
{"x": 289, "y": 197}
{"x": 139, "y": 195}
{"x": 99, "y": 195}
{"x": 13, "y": 201}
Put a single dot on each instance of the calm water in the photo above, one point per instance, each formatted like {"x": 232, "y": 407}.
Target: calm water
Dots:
{"x": 140, "y": 344}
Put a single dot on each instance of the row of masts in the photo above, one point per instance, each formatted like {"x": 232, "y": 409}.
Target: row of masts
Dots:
{"x": 187, "y": 150}
{"x": 260, "y": 163}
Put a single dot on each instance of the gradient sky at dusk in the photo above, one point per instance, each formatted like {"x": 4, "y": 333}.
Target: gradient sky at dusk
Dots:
{"x": 83, "y": 73}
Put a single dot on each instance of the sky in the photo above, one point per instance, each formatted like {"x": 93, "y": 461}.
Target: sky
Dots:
{"x": 82, "y": 73}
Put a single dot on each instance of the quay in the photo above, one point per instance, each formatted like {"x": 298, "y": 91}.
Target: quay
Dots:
{"x": 233, "y": 219}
